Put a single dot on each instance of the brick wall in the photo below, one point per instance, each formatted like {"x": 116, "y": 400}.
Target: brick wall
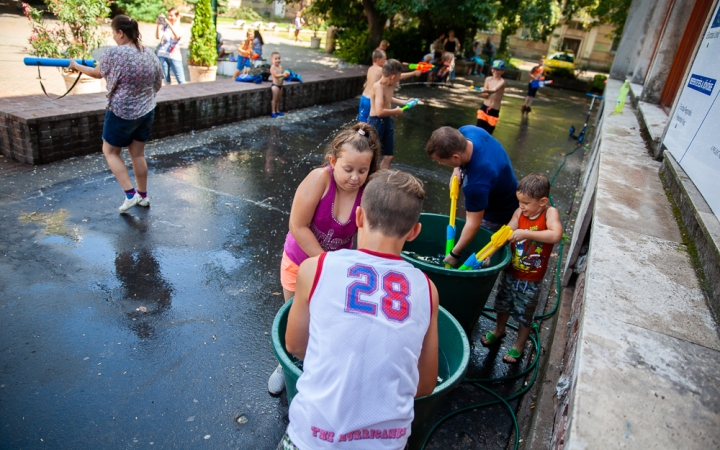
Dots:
{"x": 38, "y": 130}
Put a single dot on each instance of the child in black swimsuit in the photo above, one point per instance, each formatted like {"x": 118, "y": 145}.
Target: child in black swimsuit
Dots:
{"x": 278, "y": 78}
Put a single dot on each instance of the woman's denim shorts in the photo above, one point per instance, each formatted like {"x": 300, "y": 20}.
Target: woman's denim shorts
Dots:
{"x": 120, "y": 132}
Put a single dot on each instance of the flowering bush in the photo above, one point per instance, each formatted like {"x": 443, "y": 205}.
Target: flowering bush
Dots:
{"x": 77, "y": 34}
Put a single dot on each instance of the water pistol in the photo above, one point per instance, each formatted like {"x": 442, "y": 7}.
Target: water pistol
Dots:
{"x": 540, "y": 83}
{"x": 479, "y": 89}
{"x": 497, "y": 240}
{"x": 255, "y": 56}
{"x": 422, "y": 66}
{"x": 57, "y": 62}
{"x": 292, "y": 76}
{"x": 410, "y": 104}
{"x": 450, "y": 235}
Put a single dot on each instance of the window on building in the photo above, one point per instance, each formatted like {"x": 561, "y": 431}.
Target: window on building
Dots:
{"x": 575, "y": 25}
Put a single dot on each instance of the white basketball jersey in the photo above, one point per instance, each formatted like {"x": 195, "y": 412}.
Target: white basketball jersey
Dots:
{"x": 369, "y": 314}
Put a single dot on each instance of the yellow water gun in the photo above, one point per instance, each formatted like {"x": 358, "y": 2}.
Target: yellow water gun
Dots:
{"x": 450, "y": 235}
{"x": 497, "y": 240}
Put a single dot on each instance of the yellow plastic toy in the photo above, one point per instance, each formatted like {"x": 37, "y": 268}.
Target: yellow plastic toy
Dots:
{"x": 497, "y": 240}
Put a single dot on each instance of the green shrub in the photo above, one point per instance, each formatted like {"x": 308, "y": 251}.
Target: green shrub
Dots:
{"x": 353, "y": 46}
{"x": 406, "y": 44}
{"x": 598, "y": 83}
{"x": 203, "y": 51}
{"x": 562, "y": 73}
{"x": 140, "y": 10}
{"x": 75, "y": 34}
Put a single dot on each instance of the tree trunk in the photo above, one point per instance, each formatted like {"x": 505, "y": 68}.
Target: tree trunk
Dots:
{"x": 504, "y": 40}
{"x": 376, "y": 23}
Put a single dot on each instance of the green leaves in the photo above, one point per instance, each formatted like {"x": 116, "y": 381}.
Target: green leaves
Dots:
{"x": 143, "y": 10}
{"x": 203, "y": 50}
{"x": 77, "y": 34}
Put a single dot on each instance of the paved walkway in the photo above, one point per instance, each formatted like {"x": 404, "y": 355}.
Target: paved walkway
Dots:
{"x": 18, "y": 79}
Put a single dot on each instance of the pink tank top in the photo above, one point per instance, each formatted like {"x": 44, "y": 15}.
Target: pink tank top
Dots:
{"x": 329, "y": 232}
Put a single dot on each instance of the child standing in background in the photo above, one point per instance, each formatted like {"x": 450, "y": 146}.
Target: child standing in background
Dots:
{"x": 493, "y": 90}
{"x": 258, "y": 43}
{"x": 537, "y": 229}
{"x": 374, "y": 74}
{"x": 278, "y": 78}
{"x": 381, "y": 110}
{"x": 322, "y": 217}
{"x": 536, "y": 74}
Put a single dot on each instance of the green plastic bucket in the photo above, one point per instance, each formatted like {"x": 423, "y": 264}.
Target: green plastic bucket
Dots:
{"x": 454, "y": 355}
{"x": 462, "y": 292}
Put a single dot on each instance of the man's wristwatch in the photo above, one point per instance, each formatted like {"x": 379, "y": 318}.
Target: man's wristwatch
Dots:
{"x": 454, "y": 255}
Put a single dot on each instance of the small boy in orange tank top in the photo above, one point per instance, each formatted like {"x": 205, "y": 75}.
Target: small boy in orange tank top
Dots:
{"x": 536, "y": 229}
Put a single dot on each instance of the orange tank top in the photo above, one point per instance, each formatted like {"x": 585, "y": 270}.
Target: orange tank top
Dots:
{"x": 530, "y": 258}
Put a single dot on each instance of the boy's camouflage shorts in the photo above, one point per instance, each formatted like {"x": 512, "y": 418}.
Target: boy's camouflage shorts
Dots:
{"x": 286, "y": 444}
{"x": 518, "y": 298}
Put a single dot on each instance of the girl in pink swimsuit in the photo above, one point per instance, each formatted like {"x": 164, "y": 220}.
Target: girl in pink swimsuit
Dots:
{"x": 322, "y": 217}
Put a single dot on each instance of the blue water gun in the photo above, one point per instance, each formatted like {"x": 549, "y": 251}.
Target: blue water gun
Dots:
{"x": 292, "y": 76}
{"x": 57, "y": 62}
{"x": 410, "y": 104}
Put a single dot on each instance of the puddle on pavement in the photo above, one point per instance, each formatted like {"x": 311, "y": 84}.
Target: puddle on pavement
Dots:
{"x": 204, "y": 260}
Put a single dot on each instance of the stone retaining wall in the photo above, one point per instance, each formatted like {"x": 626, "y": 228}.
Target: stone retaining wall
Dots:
{"x": 38, "y": 130}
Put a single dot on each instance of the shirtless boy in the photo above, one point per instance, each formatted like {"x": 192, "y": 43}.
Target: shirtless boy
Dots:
{"x": 493, "y": 91}
{"x": 381, "y": 110}
{"x": 278, "y": 78}
{"x": 373, "y": 76}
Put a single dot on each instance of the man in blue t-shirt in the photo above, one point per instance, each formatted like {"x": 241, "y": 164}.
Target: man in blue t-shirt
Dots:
{"x": 486, "y": 176}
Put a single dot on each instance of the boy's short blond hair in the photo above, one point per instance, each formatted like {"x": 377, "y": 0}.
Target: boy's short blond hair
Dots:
{"x": 392, "y": 67}
{"x": 392, "y": 202}
{"x": 535, "y": 185}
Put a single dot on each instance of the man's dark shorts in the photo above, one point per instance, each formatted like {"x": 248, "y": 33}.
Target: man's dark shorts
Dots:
{"x": 386, "y": 133}
{"x": 121, "y": 133}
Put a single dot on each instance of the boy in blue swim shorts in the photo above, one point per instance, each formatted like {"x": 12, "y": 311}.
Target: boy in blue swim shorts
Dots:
{"x": 381, "y": 110}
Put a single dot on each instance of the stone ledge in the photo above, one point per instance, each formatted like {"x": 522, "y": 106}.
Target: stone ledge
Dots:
{"x": 38, "y": 130}
{"x": 655, "y": 119}
{"x": 643, "y": 354}
{"x": 700, "y": 222}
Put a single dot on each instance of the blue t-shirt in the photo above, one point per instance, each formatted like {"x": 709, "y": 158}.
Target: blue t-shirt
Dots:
{"x": 489, "y": 183}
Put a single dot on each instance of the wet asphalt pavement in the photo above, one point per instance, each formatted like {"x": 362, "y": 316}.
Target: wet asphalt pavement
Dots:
{"x": 151, "y": 329}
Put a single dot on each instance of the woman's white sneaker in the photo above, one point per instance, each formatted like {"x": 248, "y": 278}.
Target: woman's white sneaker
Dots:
{"x": 130, "y": 202}
{"x": 144, "y": 202}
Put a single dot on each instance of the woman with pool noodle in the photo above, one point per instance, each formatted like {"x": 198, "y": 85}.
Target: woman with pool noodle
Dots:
{"x": 134, "y": 76}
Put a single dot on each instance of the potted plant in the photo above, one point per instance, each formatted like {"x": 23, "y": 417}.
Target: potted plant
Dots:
{"x": 202, "y": 60}
{"x": 76, "y": 35}
{"x": 314, "y": 19}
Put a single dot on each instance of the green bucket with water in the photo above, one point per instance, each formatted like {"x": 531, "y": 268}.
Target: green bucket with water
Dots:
{"x": 453, "y": 355}
{"x": 463, "y": 293}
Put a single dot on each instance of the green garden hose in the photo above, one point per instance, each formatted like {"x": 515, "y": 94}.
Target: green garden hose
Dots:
{"x": 534, "y": 365}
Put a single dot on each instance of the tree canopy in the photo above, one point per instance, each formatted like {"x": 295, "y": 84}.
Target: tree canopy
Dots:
{"x": 370, "y": 21}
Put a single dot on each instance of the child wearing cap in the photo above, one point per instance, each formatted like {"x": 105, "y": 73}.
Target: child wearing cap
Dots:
{"x": 493, "y": 91}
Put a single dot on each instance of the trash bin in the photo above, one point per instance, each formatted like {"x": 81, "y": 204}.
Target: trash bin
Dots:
{"x": 462, "y": 292}
{"x": 453, "y": 355}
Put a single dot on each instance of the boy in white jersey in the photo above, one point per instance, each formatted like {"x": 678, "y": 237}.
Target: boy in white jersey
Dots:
{"x": 365, "y": 323}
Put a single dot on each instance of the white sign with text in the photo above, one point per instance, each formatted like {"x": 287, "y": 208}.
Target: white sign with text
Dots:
{"x": 693, "y": 136}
